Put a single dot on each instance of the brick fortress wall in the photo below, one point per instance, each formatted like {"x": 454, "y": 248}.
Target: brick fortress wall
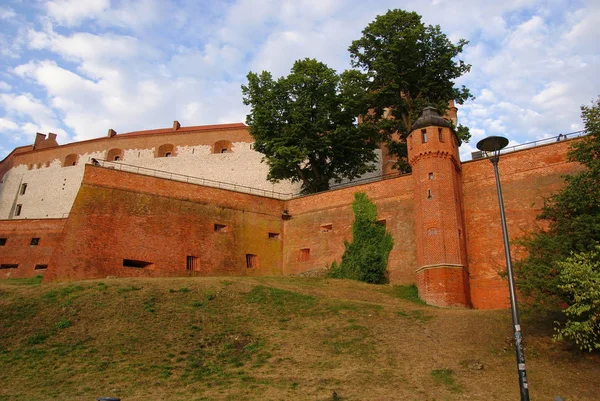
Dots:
{"x": 119, "y": 216}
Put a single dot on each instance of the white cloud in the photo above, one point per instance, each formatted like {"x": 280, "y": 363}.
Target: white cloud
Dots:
{"x": 7, "y": 13}
{"x": 4, "y": 86}
{"x": 8, "y": 125}
{"x": 72, "y": 12}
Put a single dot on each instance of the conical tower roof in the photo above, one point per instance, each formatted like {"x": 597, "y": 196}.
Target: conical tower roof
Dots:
{"x": 430, "y": 117}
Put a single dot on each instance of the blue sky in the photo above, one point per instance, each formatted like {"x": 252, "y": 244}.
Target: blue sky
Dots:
{"x": 80, "y": 67}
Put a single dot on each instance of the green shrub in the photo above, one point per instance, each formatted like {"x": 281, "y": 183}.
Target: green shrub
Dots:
{"x": 579, "y": 280}
{"x": 365, "y": 258}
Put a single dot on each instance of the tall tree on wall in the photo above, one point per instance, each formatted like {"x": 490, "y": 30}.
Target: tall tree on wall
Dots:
{"x": 563, "y": 262}
{"x": 407, "y": 66}
{"x": 305, "y": 125}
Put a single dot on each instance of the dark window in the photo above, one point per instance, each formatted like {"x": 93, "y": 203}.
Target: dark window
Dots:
{"x": 441, "y": 136}
{"x": 117, "y": 158}
{"x": 325, "y": 228}
{"x": 192, "y": 263}
{"x": 224, "y": 150}
{"x": 220, "y": 228}
{"x": 168, "y": 154}
{"x": 424, "y": 135}
{"x": 40, "y": 267}
{"x": 23, "y": 189}
{"x": 8, "y": 266}
{"x": 2, "y": 241}
{"x": 303, "y": 254}
{"x": 135, "y": 263}
{"x": 34, "y": 241}
{"x": 431, "y": 176}
{"x": 273, "y": 235}
{"x": 251, "y": 261}
{"x": 429, "y": 196}
{"x": 18, "y": 210}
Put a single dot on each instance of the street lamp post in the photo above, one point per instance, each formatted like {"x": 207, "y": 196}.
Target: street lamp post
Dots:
{"x": 492, "y": 146}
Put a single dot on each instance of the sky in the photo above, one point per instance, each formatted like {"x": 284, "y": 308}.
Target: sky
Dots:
{"x": 79, "y": 67}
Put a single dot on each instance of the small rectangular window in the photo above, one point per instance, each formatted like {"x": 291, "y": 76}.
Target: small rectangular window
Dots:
{"x": 192, "y": 263}
{"x": 441, "y": 136}
{"x": 167, "y": 154}
{"x": 273, "y": 235}
{"x": 431, "y": 176}
{"x": 251, "y": 261}
{"x": 220, "y": 228}
{"x": 140, "y": 264}
{"x": 2, "y": 241}
{"x": 23, "y": 189}
{"x": 224, "y": 150}
{"x": 40, "y": 267}
{"x": 18, "y": 210}
{"x": 8, "y": 266}
{"x": 117, "y": 158}
{"x": 303, "y": 254}
{"x": 424, "y": 135}
{"x": 34, "y": 242}
{"x": 326, "y": 228}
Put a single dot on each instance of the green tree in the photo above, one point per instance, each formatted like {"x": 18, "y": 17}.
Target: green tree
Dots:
{"x": 407, "y": 67}
{"x": 579, "y": 281}
{"x": 574, "y": 222}
{"x": 365, "y": 258}
{"x": 305, "y": 125}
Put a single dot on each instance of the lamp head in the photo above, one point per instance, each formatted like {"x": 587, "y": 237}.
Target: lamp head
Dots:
{"x": 492, "y": 146}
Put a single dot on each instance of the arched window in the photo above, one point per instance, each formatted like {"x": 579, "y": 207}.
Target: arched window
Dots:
{"x": 166, "y": 150}
{"x": 115, "y": 155}
{"x": 222, "y": 146}
{"x": 70, "y": 160}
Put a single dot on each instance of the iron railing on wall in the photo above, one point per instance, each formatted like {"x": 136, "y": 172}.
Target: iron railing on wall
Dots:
{"x": 532, "y": 144}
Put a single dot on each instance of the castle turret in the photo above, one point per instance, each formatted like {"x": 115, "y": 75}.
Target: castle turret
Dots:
{"x": 442, "y": 274}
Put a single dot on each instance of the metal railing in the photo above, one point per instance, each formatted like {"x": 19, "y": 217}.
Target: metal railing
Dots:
{"x": 190, "y": 179}
{"x": 532, "y": 144}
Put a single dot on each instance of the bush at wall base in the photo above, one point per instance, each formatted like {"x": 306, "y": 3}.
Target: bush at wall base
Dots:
{"x": 365, "y": 258}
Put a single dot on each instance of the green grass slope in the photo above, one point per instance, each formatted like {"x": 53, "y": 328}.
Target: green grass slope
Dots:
{"x": 266, "y": 339}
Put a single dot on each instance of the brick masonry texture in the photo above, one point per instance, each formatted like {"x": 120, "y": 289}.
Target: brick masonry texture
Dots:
{"x": 446, "y": 227}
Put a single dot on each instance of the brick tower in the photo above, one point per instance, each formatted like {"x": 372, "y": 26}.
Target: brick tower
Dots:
{"x": 442, "y": 274}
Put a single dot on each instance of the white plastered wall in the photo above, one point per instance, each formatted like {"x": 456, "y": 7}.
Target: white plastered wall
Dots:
{"x": 51, "y": 190}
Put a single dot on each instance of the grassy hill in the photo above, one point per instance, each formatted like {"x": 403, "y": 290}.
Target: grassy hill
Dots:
{"x": 267, "y": 339}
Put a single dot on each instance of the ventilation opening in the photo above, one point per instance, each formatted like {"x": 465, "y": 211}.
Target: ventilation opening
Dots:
{"x": 135, "y": 263}
{"x": 8, "y": 266}
{"x": 429, "y": 196}
{"x": 303, "y": 254}
{"x": 40, "y": 267}
{"x": 192, "y": 263}
{"x": 381, "y": 222}
{"x": 431, "y": 176}
{"x": 325, "y": 228}
{"x": 18, "y": 210}
{"x": 168, "y": 154}
{"x": 273, "y": 235}
{"x": 223, "y": 150}
{"x": 34, "y": 241}
{"x": 251, "y": 261}
{"x": 23, "y": 189}
{"x": 2, "y": 241}
{"x": 220, "y": 228}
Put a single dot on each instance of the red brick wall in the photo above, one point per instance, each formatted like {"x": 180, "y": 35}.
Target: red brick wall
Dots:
{"x": 120, "y": 216}
{"x": 527, "y": 177}
{"x": 394, "y": 204}
{"x": 18, "y": 248}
